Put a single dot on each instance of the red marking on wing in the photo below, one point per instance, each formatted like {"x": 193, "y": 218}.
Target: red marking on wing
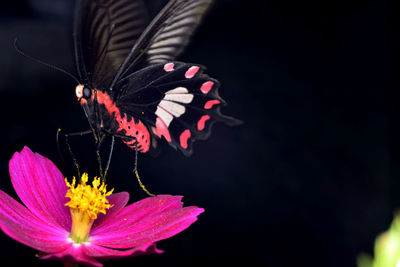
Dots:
{"x": 206, "y": 87}
{"x": 201, "y": 124}
{"x": 161, "y": 130}
{"x": 169, "y": 67}
{"x": 209, "y": 104}
{"x": 191, "y": 72}
{"x": 185, "y": 135}
{"x": 135, "y": 130}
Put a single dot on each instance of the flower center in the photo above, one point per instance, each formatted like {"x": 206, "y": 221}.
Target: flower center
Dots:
{"x": 87, "y": 201}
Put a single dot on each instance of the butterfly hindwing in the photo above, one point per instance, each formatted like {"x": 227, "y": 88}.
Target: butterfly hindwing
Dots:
{"x": 177, "y": 102}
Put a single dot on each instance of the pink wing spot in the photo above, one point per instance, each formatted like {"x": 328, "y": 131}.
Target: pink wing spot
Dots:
{"x": 169, "y": 67}
{"x": 184, "y": 138}
{"x": 162, "y": 130}
{"x": 191, "y": 72}
{"x": 206, "y": 87}
{"x": 201, "y": 124}
{"x": 211, "y": 103}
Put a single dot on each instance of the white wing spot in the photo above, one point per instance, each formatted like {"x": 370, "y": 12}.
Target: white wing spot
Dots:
{"x": 171, "y": 107}
{"x": 164, "y": 116}
{"x": 181, "y": 98}
{"x": 175, "y": 109}
{"x": 178, "y": 90}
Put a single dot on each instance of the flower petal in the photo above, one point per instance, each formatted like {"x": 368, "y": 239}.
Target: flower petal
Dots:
{"x": 74, "y": 254}
{"x": 20, "y": 224}
{"x": 130, "y": 228}
{"x": 118, "y": 202}
{"x": 141, "y": 209}
{"x": 88, "y": 253}
{"x": 40, "y": 186}
{"x": 107, "y": 254}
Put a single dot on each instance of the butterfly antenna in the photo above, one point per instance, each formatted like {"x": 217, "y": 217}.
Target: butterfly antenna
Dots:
{"x": 135, "y": 171}
{"x": 18, "y": 49}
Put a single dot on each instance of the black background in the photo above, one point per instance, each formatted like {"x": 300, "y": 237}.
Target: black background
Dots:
{"x": 309, "y": 179}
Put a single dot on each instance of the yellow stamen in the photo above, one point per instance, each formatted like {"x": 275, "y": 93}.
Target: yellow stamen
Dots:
{"x": 87, "y": 201}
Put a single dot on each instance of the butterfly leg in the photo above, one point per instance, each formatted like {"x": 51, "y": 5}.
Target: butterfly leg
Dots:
{"x": 99, "y": 144}
{"x": 66, "y": 136}
{"x": 109, "y": 157}
{"x": 135, "y": 170}
{"x": 104, "y": 175}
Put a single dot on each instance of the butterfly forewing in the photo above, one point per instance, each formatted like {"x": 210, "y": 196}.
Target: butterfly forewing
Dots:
{"x": 105, "y": 32}
{"x": 170, "y": 40}
{"x": 166, "y": 36}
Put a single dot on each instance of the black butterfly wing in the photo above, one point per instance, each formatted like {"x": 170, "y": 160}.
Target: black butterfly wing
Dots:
{"x": 104, "y": 33}
{"x": 165, "y": 38}
{"x": 176, "y": 101}
{"x": 170, "y": 40}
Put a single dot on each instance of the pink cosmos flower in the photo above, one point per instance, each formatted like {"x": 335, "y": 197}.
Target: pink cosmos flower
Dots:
{"x": 84, "y": 223}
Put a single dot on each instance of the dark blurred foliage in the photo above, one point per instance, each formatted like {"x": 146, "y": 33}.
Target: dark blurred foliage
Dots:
{"x": 309, "y": 179}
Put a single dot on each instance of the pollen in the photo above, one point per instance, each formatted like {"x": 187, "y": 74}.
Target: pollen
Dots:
{"x": 88, "y": 199}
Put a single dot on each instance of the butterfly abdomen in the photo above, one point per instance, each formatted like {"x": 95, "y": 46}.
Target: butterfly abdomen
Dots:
{"x": 135, "y": 131}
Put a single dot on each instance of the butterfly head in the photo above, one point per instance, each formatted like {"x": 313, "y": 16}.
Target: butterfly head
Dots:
{"x": 83, "y": 93}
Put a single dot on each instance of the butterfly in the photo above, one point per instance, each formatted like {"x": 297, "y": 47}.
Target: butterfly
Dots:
{"x": 131, "y": 87}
